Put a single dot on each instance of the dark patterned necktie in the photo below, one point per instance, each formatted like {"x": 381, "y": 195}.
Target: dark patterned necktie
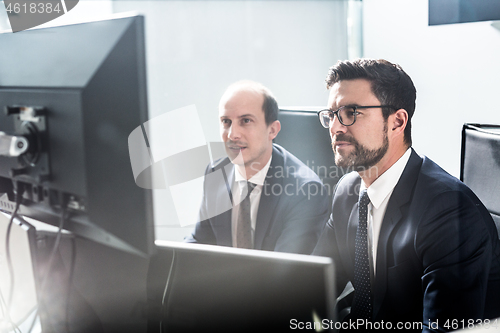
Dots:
{"x": 362, "y": 306}
{"x": 244, "y": 224}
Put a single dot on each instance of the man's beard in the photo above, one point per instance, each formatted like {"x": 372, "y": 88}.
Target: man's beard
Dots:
{"x": 361, "y": 158}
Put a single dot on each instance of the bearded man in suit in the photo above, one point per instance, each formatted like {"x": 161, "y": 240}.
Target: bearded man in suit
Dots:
{"x": 416, "y": 243}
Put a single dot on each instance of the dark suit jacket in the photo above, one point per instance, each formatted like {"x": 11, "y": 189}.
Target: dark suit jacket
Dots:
{"x": 438, "y": 251}
{"x": 292, "y": 212}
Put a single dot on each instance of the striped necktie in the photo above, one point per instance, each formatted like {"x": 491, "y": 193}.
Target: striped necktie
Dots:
{"x": 244, "y": 223}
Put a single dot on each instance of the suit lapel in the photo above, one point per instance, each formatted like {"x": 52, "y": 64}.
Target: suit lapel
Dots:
{"x": 222, "y": 223}
{"x": 269, "y": 201}
{"x": 351, "y": 234}
{"x": 400, "y": 197}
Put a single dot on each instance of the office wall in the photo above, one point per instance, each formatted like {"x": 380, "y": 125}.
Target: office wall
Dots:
{"x": 455, "y": 68}
{"x": 195, "y": 49}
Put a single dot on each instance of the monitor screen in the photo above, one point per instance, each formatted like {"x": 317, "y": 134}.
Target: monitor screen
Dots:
{"x": 219, "y": 289}
{"x": 69, "y": 97}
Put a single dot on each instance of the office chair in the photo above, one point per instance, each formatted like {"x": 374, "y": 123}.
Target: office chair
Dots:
{"x": 302, "y": 135}
{"x": 480, "y": 165}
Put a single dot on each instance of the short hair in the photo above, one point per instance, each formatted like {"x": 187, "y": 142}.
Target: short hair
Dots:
{"x": 389, "y": 83}
{"x": 269, "y": 106}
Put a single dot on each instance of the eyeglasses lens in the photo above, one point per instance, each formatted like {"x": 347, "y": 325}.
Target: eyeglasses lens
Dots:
{"x": 346, "y": 115}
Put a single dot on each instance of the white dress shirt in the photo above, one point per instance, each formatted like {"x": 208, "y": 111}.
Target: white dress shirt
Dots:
{"x": 379, "y": 193}
{"x": 239, "y": 186}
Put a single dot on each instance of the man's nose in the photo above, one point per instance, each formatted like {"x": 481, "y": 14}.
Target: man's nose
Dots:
{"x": 336, "y": 126}
{"x": 234, "y": 132}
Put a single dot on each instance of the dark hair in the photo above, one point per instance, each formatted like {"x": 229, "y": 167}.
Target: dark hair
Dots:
{"x": 389, "y": 83}
{"x": 270, "y": 106}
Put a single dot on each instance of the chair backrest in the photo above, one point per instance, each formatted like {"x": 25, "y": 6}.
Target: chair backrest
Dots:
{"x": 480, "y": 165}
{"x": 302, "y": 135}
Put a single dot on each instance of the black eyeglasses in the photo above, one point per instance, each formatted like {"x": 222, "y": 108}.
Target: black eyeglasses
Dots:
{"x": 345, "y": 114}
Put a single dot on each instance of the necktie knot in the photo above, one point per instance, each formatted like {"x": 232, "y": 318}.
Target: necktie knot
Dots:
{"x": 251, "y": 186}
{"x": 247, "y": 188}
{"x": 364, "y": 199}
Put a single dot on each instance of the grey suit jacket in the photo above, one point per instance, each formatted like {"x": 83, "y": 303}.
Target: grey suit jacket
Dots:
{"x": 292, "y": 212}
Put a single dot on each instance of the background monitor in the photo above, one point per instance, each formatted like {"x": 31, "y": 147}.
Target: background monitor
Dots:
{"x": 74, "y": 94}
{"x": 463, "y": 11}
{"x": 205, "y": 288}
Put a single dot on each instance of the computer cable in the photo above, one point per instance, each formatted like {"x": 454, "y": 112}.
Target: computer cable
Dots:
{"x": 8, "y": 257}
{"x": 19, "y": 197}
{"x": 164, "y": 301}
{"x": 55, "y": 248}
{"x": 70, "y": 280}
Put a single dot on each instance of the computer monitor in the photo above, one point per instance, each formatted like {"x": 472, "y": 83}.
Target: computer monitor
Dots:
{"x": 69, "y": 98}
{"x": 463, "y": 11}
{"x": 206, "y": 288}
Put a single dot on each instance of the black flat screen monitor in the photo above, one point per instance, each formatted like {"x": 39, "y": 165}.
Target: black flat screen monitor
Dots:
{"x": 72, "y": 95}
{"x": 205, "y": 288}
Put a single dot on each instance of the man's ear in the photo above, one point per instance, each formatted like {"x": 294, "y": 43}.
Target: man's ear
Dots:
{"x": 274, "y": 129}
{"x": 398, "y": 121}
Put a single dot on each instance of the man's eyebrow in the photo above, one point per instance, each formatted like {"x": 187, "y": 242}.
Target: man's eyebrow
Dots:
{"x": 249, "y": 115}
{"x": 338, "y": 106}
{"x": 350, "y": 105}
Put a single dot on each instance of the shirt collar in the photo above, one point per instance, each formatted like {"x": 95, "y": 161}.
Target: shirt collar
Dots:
{"x": 385, "y": 183}
{"x": 258, "y": 178}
